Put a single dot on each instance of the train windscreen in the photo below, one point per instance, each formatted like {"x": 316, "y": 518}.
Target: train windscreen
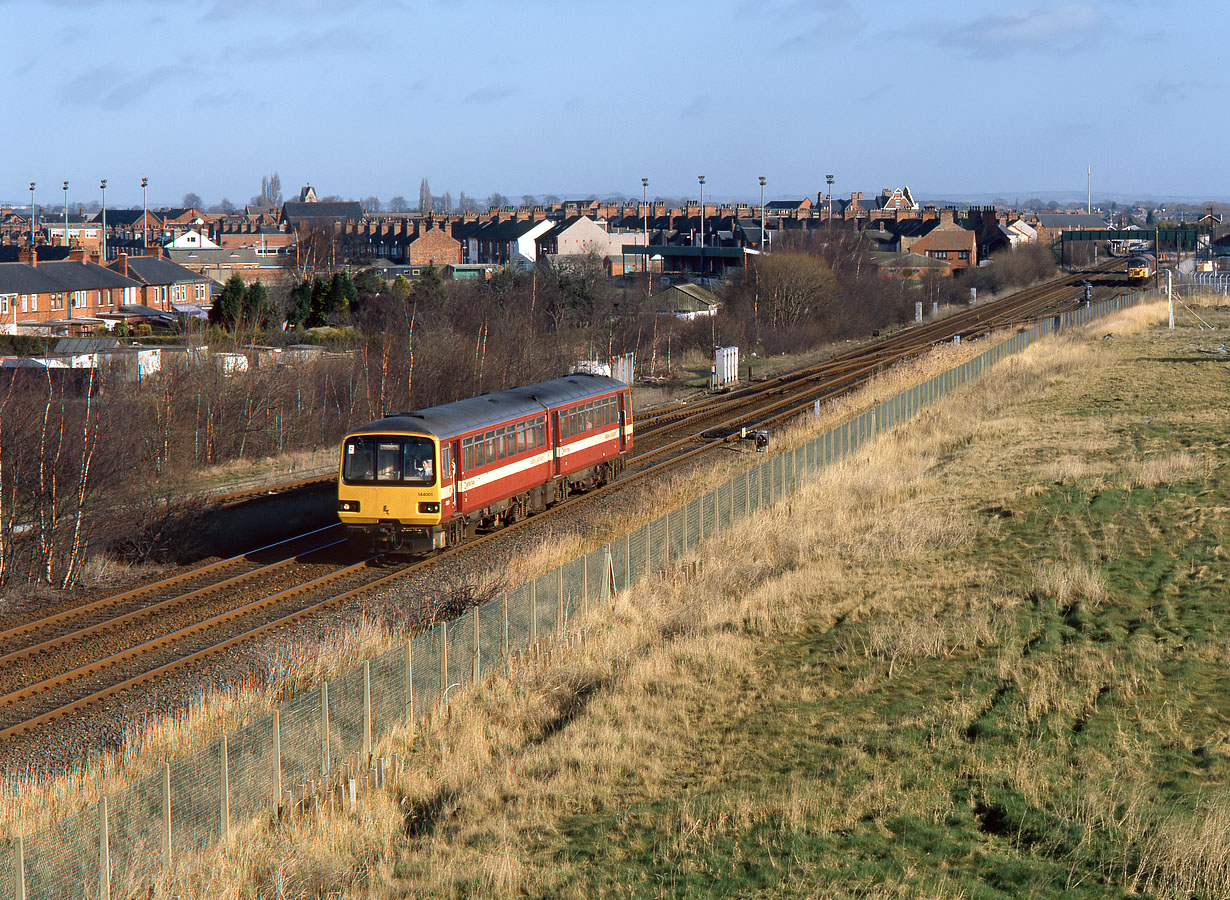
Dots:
{"x": 379, "y": 459}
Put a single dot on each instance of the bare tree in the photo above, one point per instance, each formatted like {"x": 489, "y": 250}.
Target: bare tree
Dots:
{"x": 398, "y": 204}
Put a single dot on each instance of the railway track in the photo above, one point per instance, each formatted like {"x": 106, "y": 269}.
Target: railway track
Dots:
{"x": 56, "y": 665}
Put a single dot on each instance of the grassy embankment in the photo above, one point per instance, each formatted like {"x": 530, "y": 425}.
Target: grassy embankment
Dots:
{"x": 986, "y": 658}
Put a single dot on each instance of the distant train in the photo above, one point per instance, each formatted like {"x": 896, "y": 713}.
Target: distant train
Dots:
{"x": 1140, "y": 268}
{"x": 428, "y": 479}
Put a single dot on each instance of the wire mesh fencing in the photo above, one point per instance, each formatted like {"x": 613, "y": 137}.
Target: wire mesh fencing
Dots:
{"x": 113, "y": 846}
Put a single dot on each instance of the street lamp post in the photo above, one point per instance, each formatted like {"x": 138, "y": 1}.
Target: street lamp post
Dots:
{"x": 66, "y": 215}
{"x": 31, "y": 215}
{"x": 701, "y": 179}
{"x": 102, "y": 186}
{"x": 762, "y": 214}
{"x": 144, "y": 217}
{"x": 829, "y": 179}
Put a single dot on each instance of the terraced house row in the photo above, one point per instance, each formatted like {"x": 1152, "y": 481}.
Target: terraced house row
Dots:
{"x": 77, "y": 295}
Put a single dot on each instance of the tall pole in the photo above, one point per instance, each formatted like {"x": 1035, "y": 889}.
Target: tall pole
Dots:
{"x": 645, "y": 219}
{"x": 701, "y": 179}
{"x": 829, "y": 179}
{"x": 762, "y": 214}
{"x": 1088, "y": 189}
{"x": 31, "y": 215}
{"x": 66, "y": 214}
{"x": 144, "y": 217}
{"x": 102, "y": 186}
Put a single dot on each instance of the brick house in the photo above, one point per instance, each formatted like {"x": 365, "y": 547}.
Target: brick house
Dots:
{"x": 939, "y": 238}
{"x": 164, "y": 284}
{"x": 408, "y": 242}
{"x": 60, "y": 297}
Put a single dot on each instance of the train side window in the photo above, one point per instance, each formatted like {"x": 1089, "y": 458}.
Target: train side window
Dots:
{"x": 521, "y": 437}
{"x": 467, "y": 454}
{"x": 491, "y": 454}
{"x": 589, "y": 416}
{"x": 499, "y": 443}
{"x": 480, "y": 452}
{"x": 541, "y": 429}
{"x": 446, "y": 463}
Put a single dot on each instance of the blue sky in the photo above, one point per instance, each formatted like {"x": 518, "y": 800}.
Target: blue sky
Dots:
{"x": 571, "y": 98}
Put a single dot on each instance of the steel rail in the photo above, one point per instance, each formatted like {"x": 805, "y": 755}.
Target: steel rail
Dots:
{"x": 870, "y": 365}
{"x": 152, "y": 587}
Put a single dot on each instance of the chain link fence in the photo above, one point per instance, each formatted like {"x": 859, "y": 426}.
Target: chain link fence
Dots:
{"x": 113, "y": 846}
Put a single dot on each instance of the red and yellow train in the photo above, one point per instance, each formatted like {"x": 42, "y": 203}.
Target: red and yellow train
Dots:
{"x": 428, "y": 479}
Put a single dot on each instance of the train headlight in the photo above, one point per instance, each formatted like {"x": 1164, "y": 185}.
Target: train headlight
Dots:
{"x": 429, "y": 507}
{"x": 348, "y": 506}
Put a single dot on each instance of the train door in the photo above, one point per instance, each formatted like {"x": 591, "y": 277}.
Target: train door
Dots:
{"x": 554, "y": 438}
{"x": 449, "y": 463}
{"x": 624, "y": 418}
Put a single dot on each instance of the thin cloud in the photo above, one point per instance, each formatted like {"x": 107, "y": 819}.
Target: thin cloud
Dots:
{"x": 1034, "y": 29}
{"x": 697, "y": 108}
{"x": 1166, "y": 90}
{"x": 83, "y": 90}
{"x": 490, "y": 94}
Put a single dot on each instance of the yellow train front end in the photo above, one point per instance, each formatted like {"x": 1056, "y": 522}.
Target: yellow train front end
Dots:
{"x": 389, "y": 490}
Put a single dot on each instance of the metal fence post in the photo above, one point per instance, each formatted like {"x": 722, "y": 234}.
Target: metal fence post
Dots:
{"x": 478, "y": 663}
{"x": 104, "y": 851}
{"x": 324, "y": 727}
{"x": 608, "y": 576}
{"x": 534, "y": 611}
{"x": 444, "y": 685}
{"x": 21, "y": 868}
{"x": 367, "y": 708}
{"x": 225, "y": 811}
{"x": 410, "y": 683}
{"x": 277, "y": 757}
{"x": 166, "y": 817}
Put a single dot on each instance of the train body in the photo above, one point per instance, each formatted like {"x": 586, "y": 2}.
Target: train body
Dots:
{"x": 427, "y": 479}
{"x": 1140, "y": 268}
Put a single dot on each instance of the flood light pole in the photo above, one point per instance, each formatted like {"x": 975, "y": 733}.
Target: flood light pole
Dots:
{"x": 829, "y": 179}
{"x": 645, "y": 218}
{"x": 144, "y": 217}
{"x": 102, "y": 186}
{"x": 701, "y": 179}
{"x": 31, "y": 215}
{"x": 762, "y": 214}
{"x": 66, "y": 214}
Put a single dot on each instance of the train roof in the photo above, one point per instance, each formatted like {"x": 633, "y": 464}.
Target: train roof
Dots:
{"x": 489, "y": 410}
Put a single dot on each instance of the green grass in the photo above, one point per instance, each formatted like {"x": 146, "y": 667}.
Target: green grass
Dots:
{"x": 1041, "y": 761}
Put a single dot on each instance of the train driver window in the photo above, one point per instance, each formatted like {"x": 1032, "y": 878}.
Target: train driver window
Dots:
{"x": 418, "y": 461}
{"x": 359, "y": 462}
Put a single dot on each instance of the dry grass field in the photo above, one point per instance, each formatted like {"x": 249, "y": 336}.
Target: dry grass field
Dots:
{"x": 985, "y": 658}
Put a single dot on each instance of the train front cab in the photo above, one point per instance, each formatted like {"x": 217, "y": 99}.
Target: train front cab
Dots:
{"x": 394, "y": 490}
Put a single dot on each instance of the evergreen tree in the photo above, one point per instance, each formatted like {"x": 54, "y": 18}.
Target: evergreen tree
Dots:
{"x": 229, "y": 306}
{"x": 257, "y": 309}
{"x": 299, "y": 305}
{"x": 424, "y": 197}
